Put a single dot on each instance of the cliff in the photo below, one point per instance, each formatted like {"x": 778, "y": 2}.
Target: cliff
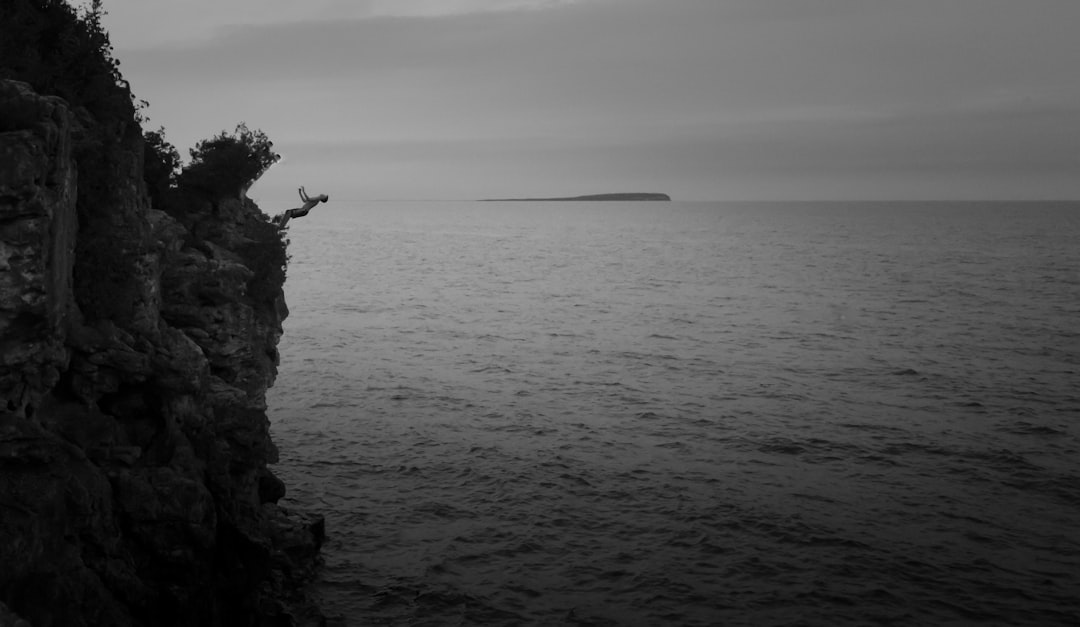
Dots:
{"x": 136, "y": 347}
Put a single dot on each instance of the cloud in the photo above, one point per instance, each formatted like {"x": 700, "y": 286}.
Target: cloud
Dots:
{"x": 689, "y": 55}
{"x": 1013, "y": 152}
{"x": 717, "y": 97}
{"x": 441, "y": 8}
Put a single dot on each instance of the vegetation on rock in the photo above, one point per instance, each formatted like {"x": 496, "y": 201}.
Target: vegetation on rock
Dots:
{"x": 63, "y": 52}
{"x": 229, "y": 163}
{"x": 161, "y": 165}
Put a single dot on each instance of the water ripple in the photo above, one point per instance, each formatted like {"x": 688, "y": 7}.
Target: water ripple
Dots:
{"x": 714, "y": 414}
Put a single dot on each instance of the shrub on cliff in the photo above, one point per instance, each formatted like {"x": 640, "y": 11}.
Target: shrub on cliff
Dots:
{"x": 161, "y": 164}
{"x": 229, "y": 163}
{"x": 66, "y": 53}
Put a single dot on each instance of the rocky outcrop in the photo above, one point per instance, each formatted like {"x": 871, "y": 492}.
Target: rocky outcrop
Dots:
{"x": 136, "y": 347}
{"x": 37, "y": 234}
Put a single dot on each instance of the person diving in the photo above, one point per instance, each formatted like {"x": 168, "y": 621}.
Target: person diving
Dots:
{"x": 309, "y": 202}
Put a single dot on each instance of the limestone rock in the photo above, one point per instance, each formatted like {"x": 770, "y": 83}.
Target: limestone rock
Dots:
{"x": 136, "y": 349}
{"x": 38, "y": 178}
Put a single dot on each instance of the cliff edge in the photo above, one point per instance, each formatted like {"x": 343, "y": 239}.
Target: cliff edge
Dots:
{"x": 136, "y": 348}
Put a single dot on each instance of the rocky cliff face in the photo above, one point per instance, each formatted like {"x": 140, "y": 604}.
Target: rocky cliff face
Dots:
{"x": 136, "y": 348}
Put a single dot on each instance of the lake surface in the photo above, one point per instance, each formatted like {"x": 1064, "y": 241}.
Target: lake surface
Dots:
{"x": 687, "y": 413}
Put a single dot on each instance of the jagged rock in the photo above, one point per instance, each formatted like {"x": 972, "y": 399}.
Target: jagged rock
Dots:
{"x": 51, "y": 494}
{"x": 10, "y": 619}
{"x": 135, "y": 353}
{"x": 38, "y": 178}
{"x": 271, "y": 489}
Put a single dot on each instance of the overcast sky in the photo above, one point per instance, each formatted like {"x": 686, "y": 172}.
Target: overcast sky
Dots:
{"x": 702, "y": 99}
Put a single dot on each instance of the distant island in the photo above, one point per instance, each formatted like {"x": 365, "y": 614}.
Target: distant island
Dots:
{"x": 620, "y": 196}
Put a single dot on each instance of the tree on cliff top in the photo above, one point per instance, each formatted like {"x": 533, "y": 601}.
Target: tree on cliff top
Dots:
{"x": 229, "y": 163}
{"x": 63, "y": 52}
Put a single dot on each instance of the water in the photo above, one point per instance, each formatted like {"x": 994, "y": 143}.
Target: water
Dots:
{"x": 687, "y": 413}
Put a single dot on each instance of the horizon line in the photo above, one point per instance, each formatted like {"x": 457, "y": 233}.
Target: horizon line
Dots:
{"x": 729, "y": 200}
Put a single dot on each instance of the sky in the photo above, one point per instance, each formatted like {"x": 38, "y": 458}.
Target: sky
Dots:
{"x": 700, "y": 99}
